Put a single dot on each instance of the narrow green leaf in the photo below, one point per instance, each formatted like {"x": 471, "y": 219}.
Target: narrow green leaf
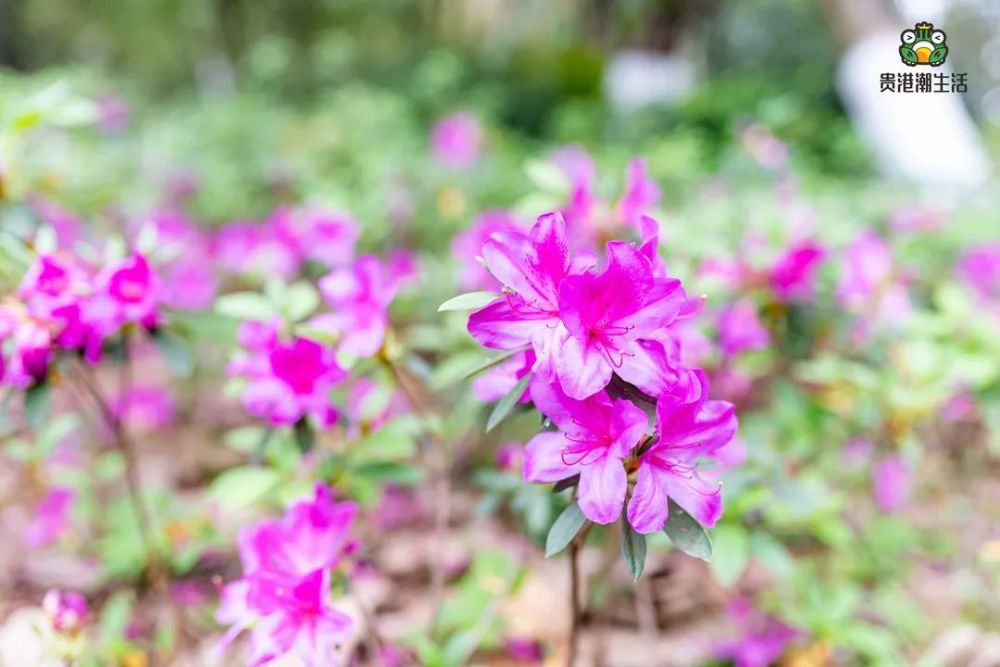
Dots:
{"x": 687, "y": 534}
{"x": 633, "y": 549}
{"x": 305, "y": 437}
{"x": 507, "y": 403}
{"x": 567, "y": 483}
{"x": 565, "y": 528}
{"x": 37, "y": 402}
{"x": 468, "y": 301}
{"x": 493, "y": 361}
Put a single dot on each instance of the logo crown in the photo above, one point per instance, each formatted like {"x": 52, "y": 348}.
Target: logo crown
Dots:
{"x": 924, "y": 26}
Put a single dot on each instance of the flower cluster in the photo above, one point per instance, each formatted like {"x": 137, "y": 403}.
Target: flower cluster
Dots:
{"x": 602, "y": 336}
{"x": 62, "y": 303}
{"x": 284, "y": 596}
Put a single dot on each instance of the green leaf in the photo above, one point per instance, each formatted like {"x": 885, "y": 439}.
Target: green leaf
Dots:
{"x": 633, "y": 549}
{"x": 115, "y": 616}
{"x": 492, "y": 361}
{"x": 687, "y": 534}
{"x": 37, "y": 402}
{"x": 468, "y": 301}
{"x": 390, "y": 472}
{"x": 244, "y": 306}
{"x": 565, "y": 528}
{"x": 507, "y": 403}
{"x": 174, "y": 352}
{"x": 240, "y": 487}
{"x": 731, "y": 553}
{"x": 300, "y": 300}
{"x": 305, "y": 437}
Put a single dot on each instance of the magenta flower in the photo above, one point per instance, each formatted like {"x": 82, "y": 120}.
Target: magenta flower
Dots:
{"x": 576, "y": 164}
{"x": 595, "y": 436}
{"x": 360, "y": 296}
{"x": 764, "y": 638}
{"x": 284, "y": 595}
{"x": 65, "y": 610}
{"x": 249, "y": 247}
{"x": 640, "y": 196}
{"x": 287, "y": 379}
{"x": 979, "y": 269}
{"x": 611, "y": 323}
{"x": 325, "y": 236}
{"x": 891, "y": 482}
{"x": 793, "y": 276}
{"x": 669, "y": 468}
{"x": 456, "y": 140}
{"x": 740, "y": 329}
{"x": 134, "y": 289}
{"x": 113, "y": 114}
{"x": 530, "y": 268}
{"x": 146, "y": 408}
{"x": 467, "y": 246}
{"x": 51, "y": 518}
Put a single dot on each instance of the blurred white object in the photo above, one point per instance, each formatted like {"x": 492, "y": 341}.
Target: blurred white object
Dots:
{"x": 927, "y": 138}
{"x": 635, "y": 80}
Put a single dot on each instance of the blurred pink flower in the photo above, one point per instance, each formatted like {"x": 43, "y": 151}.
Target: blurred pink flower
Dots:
{"x": 51, "y": 518}
{"x": 65, "y": 611}
{"x": 510, "y": 456}
{"x": 113, "y": 114}
{"x": 979, "y": 269}
{"x": 868, "y": 285}
{"x": 740, "y": 329}
{"x": 763, "y": 640}
{"x": 456, "y": 140}
{"x": 793, "y": 275}
{"x": 524, "y": 649}
{"x": 891, "y": 483}
{"x": 146, "y": 408}
{"x": 641, "y": 194}
{"x": 133, "y": 288}
{"x": 284, "y": 595}
{"x": 287, "y": 379}
{"x": 359, "y": 295}
{"x": 467, "y": 248}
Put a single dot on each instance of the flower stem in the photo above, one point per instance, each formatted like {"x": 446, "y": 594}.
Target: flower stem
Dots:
{"x": 574, "y": 603}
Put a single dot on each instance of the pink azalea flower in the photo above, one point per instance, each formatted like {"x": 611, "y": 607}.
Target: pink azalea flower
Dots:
{"x": 65, "y": 611}
{"x": 867, "y": 284}
{"x": 576, "y": 164}
{"x": 69, "y": 228}
{"x": 979, "y": 269}
{"x": 190, "y": 283}
{"x": 456, "y": 140}
{"x": 287, "y": 380}
{"x": 113, "y": 114}
{"x": 612, "y": 321}
{"x": 249, "y": 247}
{"x": 146, "y": 408}
{"x": 640, "y": 196}
{"x": 51, "y": 518}
{"x": 510, "y": 456}
{"x": 793, "y": 276}
{"x": 134, "y": 289}
{"x": 595, "y": 436}
{"x": 669, "y": 468}
{"x": 530, "y": 268}
{"x": 764, "y": 638}
{"x": 284, "y": 593}
{"x": 325, "y": 236}
{"x": 740, "y": 329}
{"x": 467, "y": 247}
{"x": 891, "y": 482}
{"x": 360, "y": 296}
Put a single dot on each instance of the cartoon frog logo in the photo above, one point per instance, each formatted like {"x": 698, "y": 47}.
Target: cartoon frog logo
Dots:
{"x": 923, "y": 46}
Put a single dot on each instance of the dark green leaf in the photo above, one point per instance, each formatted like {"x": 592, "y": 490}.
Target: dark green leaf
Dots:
{"x": 468, "y": 301}
{"x": 687, "y": 534}
{"x": 565, "y": 528}
{"x": 567, "y": 483}
{"x": 37, "y": 401}
{"x": 305, "y": 438}
{"x": 507, "y": 403}
{"x": 633, "y": 549}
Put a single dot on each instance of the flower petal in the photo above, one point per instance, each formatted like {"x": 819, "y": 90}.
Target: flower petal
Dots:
{"x": 647, "y": 509}
{"x": 602, "y": 490}
{"x": 543, "y": 461}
